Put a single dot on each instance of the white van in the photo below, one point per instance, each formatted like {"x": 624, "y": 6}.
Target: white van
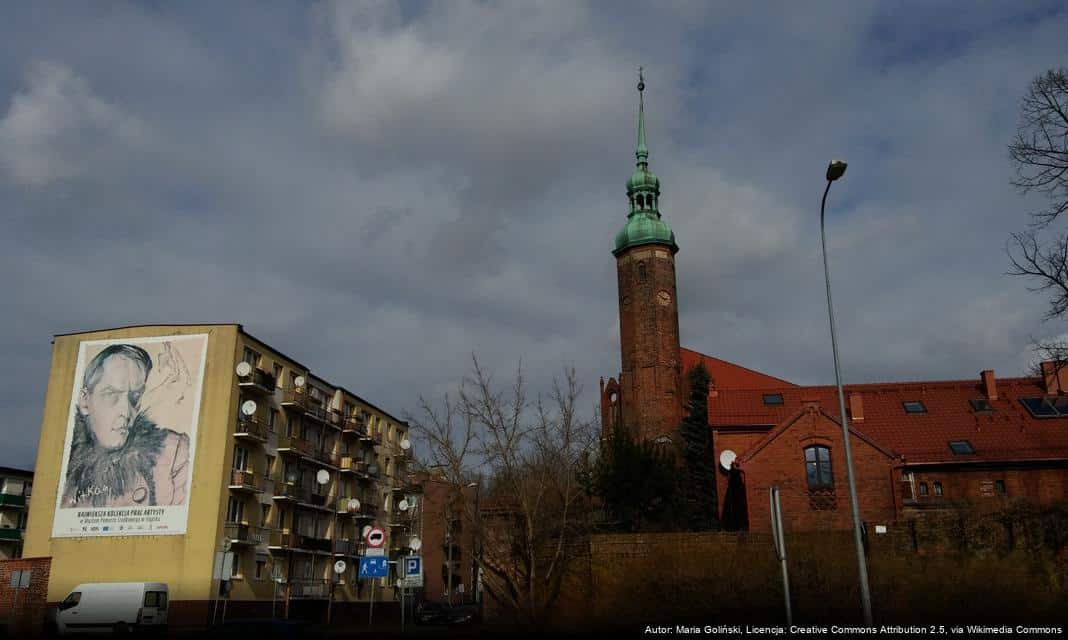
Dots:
{"x": 118, "y": 607}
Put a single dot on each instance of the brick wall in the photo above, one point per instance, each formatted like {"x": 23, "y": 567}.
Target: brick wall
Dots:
{"x": 30, "y": 612}
{"x": 782, "y": 462}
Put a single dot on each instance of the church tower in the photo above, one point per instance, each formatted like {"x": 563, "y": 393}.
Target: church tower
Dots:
{"x": 648, "y": 397}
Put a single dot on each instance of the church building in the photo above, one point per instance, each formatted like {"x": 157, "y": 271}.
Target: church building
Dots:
{"x": 917, "y": 446}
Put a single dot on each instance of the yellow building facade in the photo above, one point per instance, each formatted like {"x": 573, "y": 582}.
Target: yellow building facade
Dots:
{"x": 227, "y": 443}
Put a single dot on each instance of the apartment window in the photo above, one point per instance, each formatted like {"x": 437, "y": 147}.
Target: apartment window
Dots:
{"x": 818, "y": 467}
{"x": 261, "y": 567}
{"x": 773, "y": 398}
{"x": 999, "y": 487}
{"x": 265, "y": 514}
{"x": 937, "y": 488}
{"x": 277, "y": 373}
{"x": 961, "y": 448}
{"x": 272, "y": 419}
{"x": 235, "y": 570}
{"x": 240, "y": 458}
{"x": 914, "y": 406}
{"x": 268, "y": 465}
{"x": 348, "y": 410}
{"x": 923, "y": 489}
{"x": 26, "y": 487}
{"x": 22, "y": 520}
{"x": 251, "y": 357}
{"x": 235, "y": 509}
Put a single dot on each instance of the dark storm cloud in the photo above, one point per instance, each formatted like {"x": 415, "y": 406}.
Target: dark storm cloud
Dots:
{"x": 380, "y": 190}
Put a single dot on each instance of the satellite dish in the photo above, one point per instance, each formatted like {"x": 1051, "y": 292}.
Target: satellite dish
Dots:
{"x": 243, "y": 369}
{"x": 339, "y": 567}
{"x": 726, "y": 458}
{"x": 323, "y": 476}
{"x": 366, "y": 529}
{"x": 299, "y": 381}
{"x": 403, "y": 505}
{"x": 415, "y": 544}
{"x": 406, "y": 444}
{"x": 373, "y": 469}
{"x": 353, "y": 505}
{"x": 249, "y": 406}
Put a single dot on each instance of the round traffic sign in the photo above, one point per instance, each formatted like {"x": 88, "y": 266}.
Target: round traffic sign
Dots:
{"x": 376, "y": 537}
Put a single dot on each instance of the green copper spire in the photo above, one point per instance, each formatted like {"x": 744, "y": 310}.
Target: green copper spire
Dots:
{"x": 644, "y": 225}
{"x": 643, "y": 151}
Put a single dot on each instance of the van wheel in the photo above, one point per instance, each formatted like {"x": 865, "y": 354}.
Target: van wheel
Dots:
{"x": 121, "y": 628}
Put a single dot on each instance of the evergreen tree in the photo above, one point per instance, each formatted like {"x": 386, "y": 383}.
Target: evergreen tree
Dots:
{"x": 699, "y": 469}
{"x": 636, "y": 482}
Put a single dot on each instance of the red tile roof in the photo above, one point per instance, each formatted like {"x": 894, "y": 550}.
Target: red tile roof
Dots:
{"x": 727, "y": 375}
{"x": 1007, "y": 433}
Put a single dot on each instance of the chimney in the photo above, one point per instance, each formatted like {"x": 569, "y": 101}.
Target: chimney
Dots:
{"x": 989, "y": 384}
{"x": 1055, "y": 376}
{"x": 856, "y": 407}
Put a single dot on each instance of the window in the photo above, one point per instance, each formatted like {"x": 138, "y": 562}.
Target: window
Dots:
{"x": 1046, "y": 407}
{"x": 240, "y": 458}
{"x": 265, "y": 514}
{"x": 914, "y": 406}
{"x": 72, "y": 600}
{"x": 772, "y": 398}
{"x": 937, "y": 488}
{"x": 923, "y": 489}
{"x": 26, "y": 487}
{"x": 818, "y": 467}
{"x": 278, "y": 373}
{"x": 22, "y": 520}
{"x": 156, "y": 599}
{"x": 261, "y": 566}
{"x": 999, "y": 487}
{"x": 982, "y": 405}
{"x": 272, "y": 419}
{"x": 235, "y": 568}
{"x": 642, "y": 273}
{"x": 268, "y": 465}
{"x": 235, "y": 509}
{"x": 251, "y": 357}
{"x": 961, "y": 448}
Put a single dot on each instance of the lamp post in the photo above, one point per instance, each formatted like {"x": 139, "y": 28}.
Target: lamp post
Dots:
{"x": 835, "y": 170}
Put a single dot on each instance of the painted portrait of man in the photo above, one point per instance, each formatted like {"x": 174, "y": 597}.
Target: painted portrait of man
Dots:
{"x": 118, "y": 455}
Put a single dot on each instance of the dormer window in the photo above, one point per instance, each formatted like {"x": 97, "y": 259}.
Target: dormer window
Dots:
{"x": 773, "y": 399}
{"x": 961, "y": 448}
{"x": 982, "y": 405}
{"x": 1046, "y": 407}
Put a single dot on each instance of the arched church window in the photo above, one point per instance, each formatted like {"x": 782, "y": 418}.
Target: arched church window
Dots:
{"x": 641, "y": 201}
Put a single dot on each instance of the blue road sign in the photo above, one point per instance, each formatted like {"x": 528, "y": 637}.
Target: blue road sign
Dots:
{"x": 413, "y": 566}
{"x": 374, "y": 567}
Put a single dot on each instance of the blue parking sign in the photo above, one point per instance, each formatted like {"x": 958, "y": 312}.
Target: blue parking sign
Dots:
{"x": 413, "y": 566}
{"x": 374, "y": 567}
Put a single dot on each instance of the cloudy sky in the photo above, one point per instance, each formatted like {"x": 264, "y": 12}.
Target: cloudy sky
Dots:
{"x": 380, "y": 190}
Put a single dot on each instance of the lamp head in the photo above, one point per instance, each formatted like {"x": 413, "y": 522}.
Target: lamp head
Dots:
{"x": 835, "y": 170}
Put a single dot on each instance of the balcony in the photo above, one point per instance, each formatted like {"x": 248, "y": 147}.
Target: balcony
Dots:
{"x": 334, "y": 417}
{"x": 326, "y": 457}
{"x": 345, "y": 547}
{"x": 314, "y": 409}
{"x": 318, "y": 500}
{"x": 242, "y": 534}
{"x": 309, "y": 589}
{"x": 352, "y": 465}
{"x": 286, "y": 540}
{"x": 310, "y": 543}
{"x": 11, "y": 500}
{"x": 10, "y": 534}
{"x": 342, "y": 505}
{"x": 289, "y": 491}
{"x": 244, "y": 480}
{"x": 294, "y": 398}
{"x": 259, "y": 381}
{"x": 293, "y": 445}
{"x": 251, "y": 429}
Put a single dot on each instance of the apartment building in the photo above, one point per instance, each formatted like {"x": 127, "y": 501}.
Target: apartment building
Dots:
{"x": 15, "y": 487}
{"x": 227, "y": 445}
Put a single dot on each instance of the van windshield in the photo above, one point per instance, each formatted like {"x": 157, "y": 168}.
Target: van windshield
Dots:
{"x": 156, "y": 599}
{"x": 73, "y": 599}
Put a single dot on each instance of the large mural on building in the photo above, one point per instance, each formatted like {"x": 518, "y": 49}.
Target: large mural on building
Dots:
{"x": 131, "y": 435}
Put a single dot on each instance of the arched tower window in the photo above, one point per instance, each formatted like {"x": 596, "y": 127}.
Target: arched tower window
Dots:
{"x": 642, "y": 274}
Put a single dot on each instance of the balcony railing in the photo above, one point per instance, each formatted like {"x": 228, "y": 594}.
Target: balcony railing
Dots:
{"x": 319, "y": 500}
{"x": 353, "y": 425}
{"x": 352, "y": 465}
{"x": 11, "y": 500}
{"x": 10, "y": 534}
{"x": 294, "y": 445}
{"x": 343, "y": 505}
{"x": 250, "y": 428}
{"x": 315, "y": 408}
{"x": 344, "y": 548}
{"x": 290, "y": 491}
{"x": 244, "y": 480}
{"x": 259, "y": 380}
{"x": 310, "y": 543}
{"x": 309, "y": 589}
{"x": 326, "y": 457}
{"x": 241, "y": 533}
{"x": 294, "y": 398}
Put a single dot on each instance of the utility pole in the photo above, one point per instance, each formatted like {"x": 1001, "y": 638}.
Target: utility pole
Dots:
{"x": 448, "y": 541}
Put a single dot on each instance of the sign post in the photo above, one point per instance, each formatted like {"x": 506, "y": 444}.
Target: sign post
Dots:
{"x": 779, "y": 540}
{"x": 373, "y": 565}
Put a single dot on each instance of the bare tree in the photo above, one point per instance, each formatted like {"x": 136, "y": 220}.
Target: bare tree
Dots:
{"x": 1040, "y": 152}
{"x": 534, "y": 512}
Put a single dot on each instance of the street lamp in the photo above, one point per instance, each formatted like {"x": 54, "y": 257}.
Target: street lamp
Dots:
{"x": 835, "y": 170}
